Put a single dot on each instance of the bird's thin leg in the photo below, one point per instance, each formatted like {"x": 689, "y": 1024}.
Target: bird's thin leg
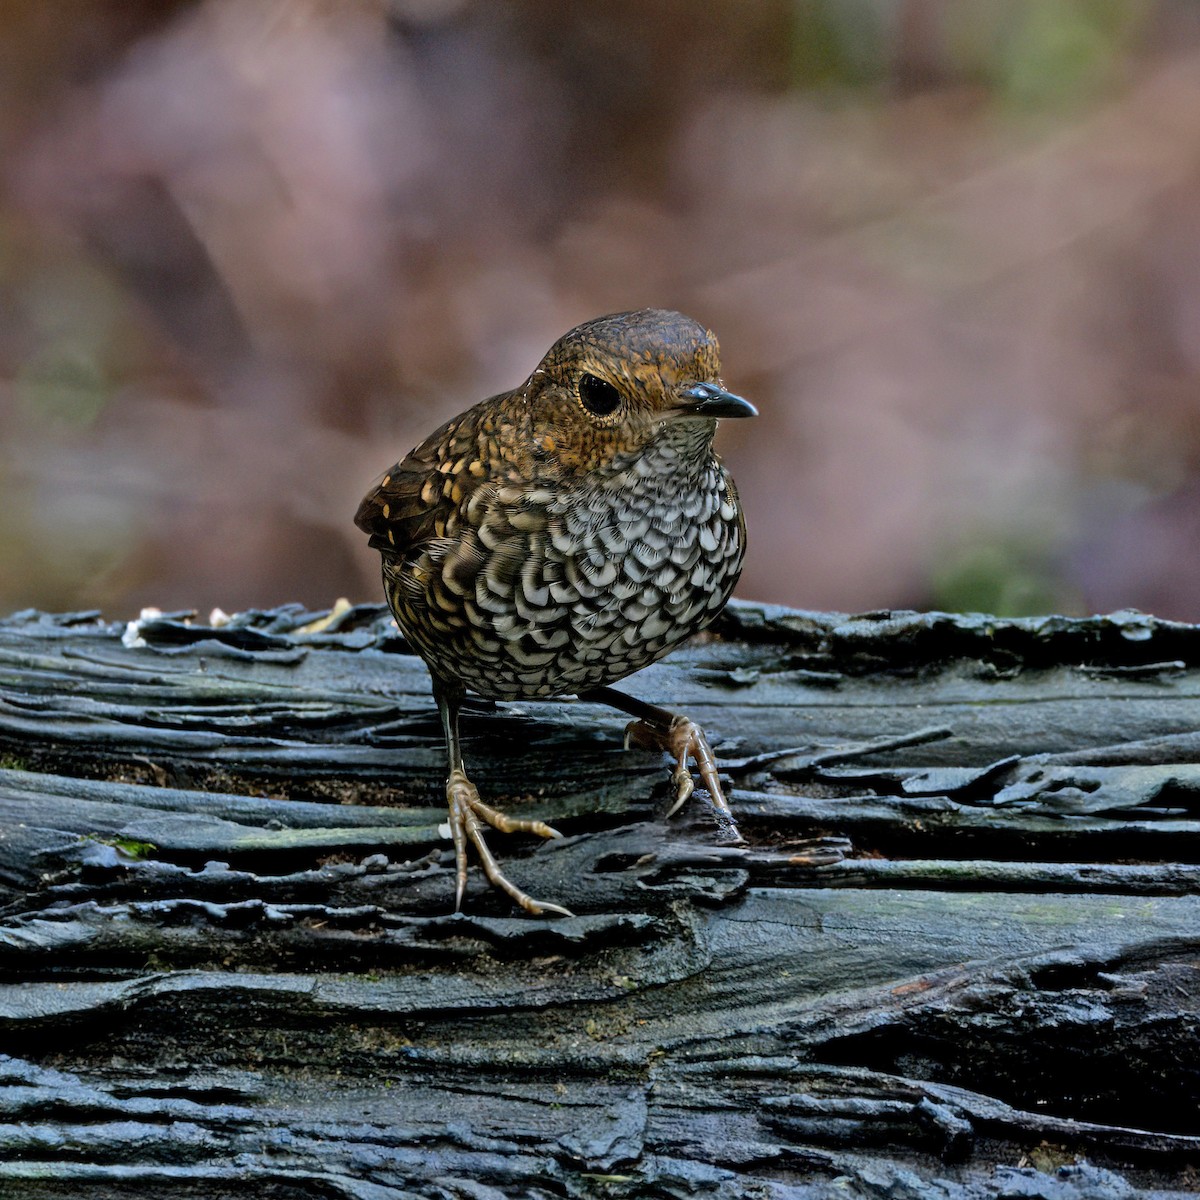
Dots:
{"x": 468, "y": 814}
{"x": 658, "y": 729}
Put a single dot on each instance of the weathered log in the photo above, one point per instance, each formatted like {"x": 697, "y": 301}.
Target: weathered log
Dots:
{"x": 958, "y": 953}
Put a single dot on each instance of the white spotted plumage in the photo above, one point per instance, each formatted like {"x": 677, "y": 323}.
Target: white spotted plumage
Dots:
{"x": 577, "y": 589}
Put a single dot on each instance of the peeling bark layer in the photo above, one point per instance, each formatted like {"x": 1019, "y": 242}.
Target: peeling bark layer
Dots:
{"x": 958, "y": 954}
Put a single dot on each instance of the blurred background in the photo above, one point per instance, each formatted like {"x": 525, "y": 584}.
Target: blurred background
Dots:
{"x": 250, "y": 253}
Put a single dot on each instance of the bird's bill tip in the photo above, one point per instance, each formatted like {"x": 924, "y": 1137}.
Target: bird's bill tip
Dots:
{"x": 709, "y": 400}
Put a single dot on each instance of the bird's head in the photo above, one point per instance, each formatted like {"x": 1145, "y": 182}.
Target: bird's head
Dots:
{"x": 614, "y": 385}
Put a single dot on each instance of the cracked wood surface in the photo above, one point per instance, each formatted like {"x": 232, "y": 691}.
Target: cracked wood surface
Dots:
{"x": 958, "y": 955}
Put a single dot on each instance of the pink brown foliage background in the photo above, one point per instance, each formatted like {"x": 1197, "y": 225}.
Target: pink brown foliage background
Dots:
{"x": 251, "y": 252}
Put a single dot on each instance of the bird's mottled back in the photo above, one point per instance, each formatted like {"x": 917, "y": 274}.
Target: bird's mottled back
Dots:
{"x": 417, "y": 500}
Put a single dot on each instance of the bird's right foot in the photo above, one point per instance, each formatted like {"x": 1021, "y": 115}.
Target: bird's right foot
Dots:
{"x": 683, "y": 739}
{"x": 468, "y": 814}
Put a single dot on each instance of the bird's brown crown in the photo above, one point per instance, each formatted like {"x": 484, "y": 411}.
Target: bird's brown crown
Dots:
{"x": 641, "y": 347}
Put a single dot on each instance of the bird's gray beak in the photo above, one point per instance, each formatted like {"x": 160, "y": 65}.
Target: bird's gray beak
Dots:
{"x": 708, "y": 400}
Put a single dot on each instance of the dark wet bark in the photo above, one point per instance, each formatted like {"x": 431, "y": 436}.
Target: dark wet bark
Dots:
{"x": 958, "y": 955}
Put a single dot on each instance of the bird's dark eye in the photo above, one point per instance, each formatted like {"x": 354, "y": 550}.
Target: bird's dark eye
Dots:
{"x": 598, "y": 397}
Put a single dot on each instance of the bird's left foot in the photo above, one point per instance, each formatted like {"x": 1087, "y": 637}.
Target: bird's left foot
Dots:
{"x": 468, "y": 815}
{"x": 683, "y": 739}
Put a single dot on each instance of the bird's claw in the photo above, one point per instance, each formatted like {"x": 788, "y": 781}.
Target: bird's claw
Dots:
{"x": 683, "y": 739}
{"x": 468, "y": 814}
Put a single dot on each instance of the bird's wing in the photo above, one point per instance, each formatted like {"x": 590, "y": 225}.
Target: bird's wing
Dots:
{"x": 420, "y": 498}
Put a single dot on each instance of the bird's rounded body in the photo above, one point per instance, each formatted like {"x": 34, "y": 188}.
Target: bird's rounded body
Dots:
{"x": 561, "y": 536}
{"x": 527, "y": 553}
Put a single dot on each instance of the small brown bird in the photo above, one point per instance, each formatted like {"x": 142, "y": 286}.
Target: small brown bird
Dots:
{"x": 558, "y": 537}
